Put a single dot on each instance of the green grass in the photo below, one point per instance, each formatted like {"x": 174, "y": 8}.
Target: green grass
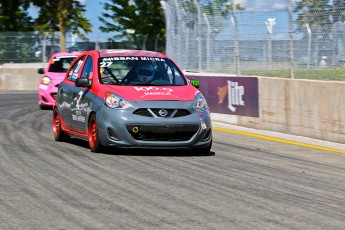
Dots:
{"x": 280, "y": 70}
{"x": 327, "y": 74}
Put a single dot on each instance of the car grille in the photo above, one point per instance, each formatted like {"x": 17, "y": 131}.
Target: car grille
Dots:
{"x": 165, "y": 113}
{"x": 162, "y": 132}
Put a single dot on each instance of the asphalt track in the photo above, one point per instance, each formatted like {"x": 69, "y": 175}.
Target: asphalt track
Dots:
{"x": 248, "y": 181}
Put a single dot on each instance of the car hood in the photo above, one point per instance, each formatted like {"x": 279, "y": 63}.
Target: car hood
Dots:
{"x": 141, "y": 93}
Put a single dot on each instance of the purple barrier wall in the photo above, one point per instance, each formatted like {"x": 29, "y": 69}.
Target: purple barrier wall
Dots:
{"x": 230, "y": 95}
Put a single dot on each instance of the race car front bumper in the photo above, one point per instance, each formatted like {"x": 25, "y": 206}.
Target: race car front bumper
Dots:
{"x": 184, "y": 127}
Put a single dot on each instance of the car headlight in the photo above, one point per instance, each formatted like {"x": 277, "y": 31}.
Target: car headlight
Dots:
{"x": 46, "y": 80}
{"x": 200, "y": 103}
{"x": 116, "y": 102}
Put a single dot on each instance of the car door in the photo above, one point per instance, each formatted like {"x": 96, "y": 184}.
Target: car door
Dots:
{"x": 68, "y": 93}
{"x": 82, "y": 100}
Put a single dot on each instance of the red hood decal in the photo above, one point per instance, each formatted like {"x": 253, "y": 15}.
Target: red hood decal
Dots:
{"x": 153, "y": 93}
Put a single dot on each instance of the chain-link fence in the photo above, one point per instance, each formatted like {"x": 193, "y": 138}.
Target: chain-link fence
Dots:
{"x": 262, "y": 37}
{"x": 26, "y": 47}
{"x": 268, "y": 38}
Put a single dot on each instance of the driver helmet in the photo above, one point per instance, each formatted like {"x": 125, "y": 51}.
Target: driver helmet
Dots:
{"x": 145, "y": 72}
{"x": 103, "y": 71}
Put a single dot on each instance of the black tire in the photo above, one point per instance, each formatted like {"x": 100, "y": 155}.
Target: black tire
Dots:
{"x": 203, "y": 151}
{"x": 42, "y": 107}
{"x": 93, "y": 137}
{"x": 59, "y": 134}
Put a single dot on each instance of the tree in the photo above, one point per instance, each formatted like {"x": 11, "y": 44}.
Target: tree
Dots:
{"x": 63, "y": 16}
{"x": 316, "y": 15}
{"x": 313, "y": 12}
{"x": 15, "y": 27}
{"x": 325, "y": 20}
{"x": 217, "y": 10}
{"x": 223, "y": 6}
{"x": 135, "y": 18}
{"x": 338, "y": 10}
{"x": 13, "y": 16}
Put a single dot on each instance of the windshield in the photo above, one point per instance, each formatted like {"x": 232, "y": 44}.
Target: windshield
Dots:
{"x": 60, "y": 64}
{"x": 139, "y": 71}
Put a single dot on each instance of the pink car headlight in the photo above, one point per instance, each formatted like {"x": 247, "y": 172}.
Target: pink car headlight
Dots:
{"x": 46, "y": 80}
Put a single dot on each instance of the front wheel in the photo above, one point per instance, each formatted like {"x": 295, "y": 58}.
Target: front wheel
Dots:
{"x": 43, "y": 107}
{"x": 94, "y": 142}
{"x": 203, "y": 151}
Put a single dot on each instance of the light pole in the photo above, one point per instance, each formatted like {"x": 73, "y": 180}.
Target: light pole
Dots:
{"x": 177, "y": 33}
{"x": 73, "y": 37}
{"x": 269, "y": 25}
{"x": 236, "y": 43}
{"x": 291, "y": 55}
{"x": 168, "y": 19}
{"x": 207, "y": 42}
{"x": 198, "y": 39}
{"x": 130, "y": 33}
{"x": 309, "y": 44}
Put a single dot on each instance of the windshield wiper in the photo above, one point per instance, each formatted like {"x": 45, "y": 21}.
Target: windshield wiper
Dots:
{"x": 115, "y": 83}
{"x": 140, "y": 83}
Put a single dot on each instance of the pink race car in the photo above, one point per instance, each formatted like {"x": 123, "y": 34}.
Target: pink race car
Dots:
{"x": 54, "y": 73}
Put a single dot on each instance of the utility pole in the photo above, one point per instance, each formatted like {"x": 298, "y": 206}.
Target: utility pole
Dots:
{"x": 269, "y": 25}
{"x": 291, "y": 58}
{"x": 236, "y": 43}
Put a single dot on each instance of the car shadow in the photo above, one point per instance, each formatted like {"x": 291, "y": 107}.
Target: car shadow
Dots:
{"x": 155, "y": 152}
{"x": 42, "y": 107}
{"x": 142, "y": 152}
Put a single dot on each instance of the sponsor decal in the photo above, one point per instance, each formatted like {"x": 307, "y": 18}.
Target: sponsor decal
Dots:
{"x": 73, "y": 74}
{"x": 152, "y": 59}
{"x": 109, "y": 59}
{"x": 105, "y": 64}
{"x": 231, "y": 95}
{"x": 78, "y": 117}
{"x": 203, "y": 125}
{"x": 62, "y": 57}
{"x": 116, "y": 51}
{"x": 152, "y": 88}
{"x": 157, "y": 93}
{"x": 78, "y": 99}
{"x": 154, "y": 91}
{"x": 78, "y": 66}
{"x": 235, "y": 95}
{"x": 43, "y": 87}
{"x": 129, "y": 58}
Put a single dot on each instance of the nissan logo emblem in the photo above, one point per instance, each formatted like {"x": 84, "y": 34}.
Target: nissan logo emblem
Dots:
{"x": 163, "y": 112}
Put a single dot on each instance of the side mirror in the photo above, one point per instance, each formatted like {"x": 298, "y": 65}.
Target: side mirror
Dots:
{"x": 82, "y": 82}
{"x": 40, "y": 71}
{"x": 195, "y": 83}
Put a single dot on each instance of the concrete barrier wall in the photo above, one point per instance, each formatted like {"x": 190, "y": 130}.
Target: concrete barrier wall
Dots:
{"x": 307, "y": 108}
{"x": 12, "y": 78}
{"x": 301, "y": 107}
